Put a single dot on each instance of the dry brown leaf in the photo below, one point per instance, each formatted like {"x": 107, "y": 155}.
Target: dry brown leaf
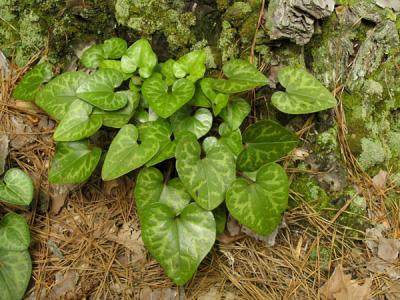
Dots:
{"x": 341, "y": 287}
{"x": 379, "y": 180}
{"x": 65, "y": 283}
{"x": 130, "y": 238}
{"x": 388, "y": 249}
{"x": 393, "y": 292}
{"x": 380, "y": 266}
{"x": 159, "y": 294}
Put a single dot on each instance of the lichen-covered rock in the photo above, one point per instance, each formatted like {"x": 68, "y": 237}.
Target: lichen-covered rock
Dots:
{"x": 294, "y": 19}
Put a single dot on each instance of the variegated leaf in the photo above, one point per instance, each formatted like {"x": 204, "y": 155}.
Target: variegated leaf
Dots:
{"x": 264, "y": 142}
{"x": 118, "y": 118}
{"x": 242, "y": 76}
{"x": 167, "y": 70}
{"x": 56, "y": 96}
{"x": 98, "y": 90}
{"x": 151, "y": 188}
{"x": 139, "y": 56}
{"x": 199, "y": 98}
{"x": 164, "y": 100}
{"x": 78, "y": 123}
{"x": 178, "y": 242}
{"x": 232, "y": 140}
{"x": 304, "y": 93}
{"x": 114, "y": 48}
{"x": 260, "y": 204}
{"x": 93, "y": 56}
{"x": 16, "y": 188}
{"x": 218, "y": 100}
{"x": 125, "y": 154}
{"x": 220, "y": 218}
{"x": 236, "y": 111}
{"x": 192, "y": 64}
{"x": 28, "y": 87}
{"x": 208, "y": 178}
{"x": 15, "y": 262}
{"x": 116, "y": 65}
{"x": 199, "y": 123}
{"x": 73, "y": 162}
{"x": 160, "y": 131}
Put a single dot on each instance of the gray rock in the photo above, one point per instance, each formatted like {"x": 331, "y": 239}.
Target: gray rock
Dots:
{"x": 294, "y": 19}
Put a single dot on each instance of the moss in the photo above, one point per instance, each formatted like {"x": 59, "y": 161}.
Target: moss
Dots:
{"x": 311, "y": 192}
{"x": 237, "y": 13}
{"x": 227, "y": 45}
{"x": 323, "y": 256}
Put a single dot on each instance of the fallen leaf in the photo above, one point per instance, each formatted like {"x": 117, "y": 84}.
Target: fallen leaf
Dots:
{"x": 65, "y": 283}
{"x": 388, "y": 249}
{"x": 130, "y": 238}
{"x": 372, "y": 237}
{"x": 22, "y": 133}
{"x": 379, "y": 180}
{"x": 393, "y": 291}
{"x": 341, "y": 287}
{"x": 380, "y": 266}
{"x": 3, "y": 151}
{"x": 159, "y": 294}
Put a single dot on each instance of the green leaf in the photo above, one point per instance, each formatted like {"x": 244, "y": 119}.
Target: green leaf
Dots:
{"x": 160, "y": 131}
{"x": 198, "y": 123}
{"x": 118, "y": 118}
{"x": 218, "y": 100}
{"x": 73, "y": 162}
{"x": 15, "y": 262}
{"x": 164, "y": 100}
{"x": 220, "y": 218}
{"x": 56, "y": 96}
{"x": 29, "y": 85}
{"x": 125, "y": 154}
{"x": 116, "y": 65}
{"x": 199, "y": 99}
{"x": 192, "y": 63}
{"x": 151, "y": 188}
{"x": 304, "y": 93}
{"x": 93, "y": 56}
{"x": 168, "y": 72}
{"x": 242, "y": 76}
{"x": 114, "y": 48}
{"x": 259, "y": 204}
{"x": 178, "y": 243}
{"x": 208, "y": 178}
{"x": 139, "y": 56}
{"x": 98, "y": 90}
{"x": 236, "y": 111}
{"x": 264, "y": 142}
{"x": 78, "y": 123}
{"x": 16, "y": 188}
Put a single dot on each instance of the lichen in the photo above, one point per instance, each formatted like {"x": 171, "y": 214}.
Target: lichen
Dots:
{"x": 227, "y": 45}
{"x": 372, "y": 153}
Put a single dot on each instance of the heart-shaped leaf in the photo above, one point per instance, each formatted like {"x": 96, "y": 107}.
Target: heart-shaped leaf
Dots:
{"x": 125, "y": 154}
{"x": 159, "y": 130}
{"x": 199, "y": 98}
{"x": 114, "y": 48}
{"x": 243, "y": 76}
{"x": 78, "y": 123}
{"x": 164, "y": 100}
{"x": 264, "y": 142}
{"x": 16, "y": 188}
{"x": 98, "y": 90}
{"x": 143, "y": 115}
{"x": 118, "y": 118}
{"x": 192, "y": 63}
{"x": 208, "y": 178}
{"x": 56, "y": 96}
{"x": 232, "y": 140}
{"x": 28, "y": 87}
{"x": 139, "y": 56}
{"x": 73, "y": 162}
{"x": 15, "y": 262}
{"x": 116, "y": 65}
{"x": 198, "y": 123}
{"x": 93, "y": 56}
{"x": 167, "y": 70}
{"x": 178, "y": 243}
{"x": 150, "y": 188}
{"x": 218, "y": 100}
{"x": 259, "y": 204}
{"x": 304, "y": 93}
{"x": 236, "y": 111}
